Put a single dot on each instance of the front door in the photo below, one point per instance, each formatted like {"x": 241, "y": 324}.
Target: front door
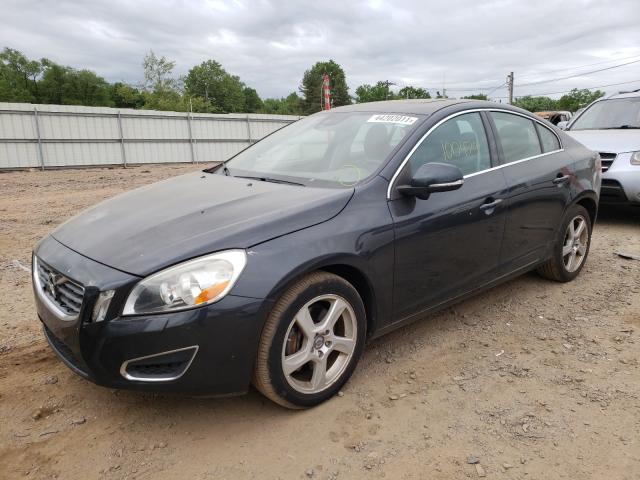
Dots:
{"x": 450, "y": 243}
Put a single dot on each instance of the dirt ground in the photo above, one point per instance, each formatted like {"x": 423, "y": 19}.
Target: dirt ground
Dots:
{"x": 531, "y": 380}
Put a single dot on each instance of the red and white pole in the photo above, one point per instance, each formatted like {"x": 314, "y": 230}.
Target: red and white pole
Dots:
{"x": 326, "y": 92}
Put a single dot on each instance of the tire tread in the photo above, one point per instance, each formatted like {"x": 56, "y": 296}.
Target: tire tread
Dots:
{"x": 552, "y": 269}
{"x": 261, "y": 377}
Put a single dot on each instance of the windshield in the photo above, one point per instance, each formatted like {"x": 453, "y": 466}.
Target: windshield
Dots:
{"x": 610, "y": 114}
{"x": 326, "y": 149}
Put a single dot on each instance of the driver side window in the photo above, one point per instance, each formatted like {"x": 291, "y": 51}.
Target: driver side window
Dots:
{"x": 460, "y": 141}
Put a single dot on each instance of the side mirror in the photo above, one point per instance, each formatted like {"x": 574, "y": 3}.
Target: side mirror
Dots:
{"x": 433, "y": 177}
{"x": 562, "y": 125}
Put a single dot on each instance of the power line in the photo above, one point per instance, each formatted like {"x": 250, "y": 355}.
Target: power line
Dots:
{"x": 496, "y": 88}
{"x": 567, "y": 91}
{"x": 577, "y": 75}
{"x": 492, "y": 89}
{"x": 472, "y": 89}
{"x": 480, "y": 89}
{"x": 579, "y": 66}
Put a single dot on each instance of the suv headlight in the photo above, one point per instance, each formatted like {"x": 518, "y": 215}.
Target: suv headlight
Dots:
{"x": 188, "y": 285}
{"x": 635, "y": 158}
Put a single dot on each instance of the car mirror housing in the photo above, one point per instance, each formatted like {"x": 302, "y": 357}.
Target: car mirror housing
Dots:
{"x": 562, "y": 125}
{"x": 433, "y": 177}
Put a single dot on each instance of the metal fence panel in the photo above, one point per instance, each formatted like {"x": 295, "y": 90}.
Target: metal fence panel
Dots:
{"x": 16, "y": 126}
{"x": 219, "y": 128}
{"x": 73, "y": 136}
{"x": 19, "y": 155}
{"x": 166, "y": 152}
{"x": 81, "y": 154}
{"x": 211, "y": 152}
{"x": 72, "y": 127}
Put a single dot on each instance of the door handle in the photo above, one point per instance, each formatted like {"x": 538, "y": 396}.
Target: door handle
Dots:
{"x": 561, "y": 179}
{"x": 490, "y": 204}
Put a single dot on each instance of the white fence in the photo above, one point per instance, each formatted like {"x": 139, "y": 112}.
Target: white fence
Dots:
{"x": 41, "y": 136}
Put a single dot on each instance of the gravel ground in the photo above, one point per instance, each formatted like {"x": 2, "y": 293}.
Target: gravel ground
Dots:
{"x": 531, "y": 380}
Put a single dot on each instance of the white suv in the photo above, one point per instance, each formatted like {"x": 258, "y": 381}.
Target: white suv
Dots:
{"x": 611, "y": 126}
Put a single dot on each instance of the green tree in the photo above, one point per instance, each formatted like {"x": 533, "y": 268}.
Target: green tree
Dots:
{"x": 18, "y": 77}
{"x": 83, "y": 87}
{"x": 252, "y": 101}
{"x": 220, "y": 91}
{"x": 311, "y": 86}
{"x": 53, "y": 82}
{"x": 126, "y": 96}
{"x": 410, "y": 92}
{"x": 158, "y": 73}
{"x": 536, "y": 104}
{"x": 65, "y": 86}
{"x": 282, "y": 106}
{"x": 168, "y": 100}
{"x": 577, "y": 99}
{"x": 161, "y": 90}
{"x": 374, "y": 93}
{"x": 477, "y": 96}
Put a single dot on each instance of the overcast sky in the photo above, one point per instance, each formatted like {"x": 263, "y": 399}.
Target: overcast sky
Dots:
{"x": 269, "y": 44}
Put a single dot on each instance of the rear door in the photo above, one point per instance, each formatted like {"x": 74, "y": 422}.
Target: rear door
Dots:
{"x": 538, "y": 173}
{"x": 450, "y": 243}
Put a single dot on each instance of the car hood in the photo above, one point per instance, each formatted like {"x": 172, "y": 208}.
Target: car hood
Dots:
{"x": 613, "y": 141}
{"x": 152, "y": 227}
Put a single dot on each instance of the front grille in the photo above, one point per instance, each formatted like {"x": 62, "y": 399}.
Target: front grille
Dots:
{"x": 64, "y": 293}
{"x": 607, "y": 159}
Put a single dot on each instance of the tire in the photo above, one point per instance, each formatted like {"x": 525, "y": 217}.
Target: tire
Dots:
{"x": 568, "y": 246}
{"x": 301, "y": 334}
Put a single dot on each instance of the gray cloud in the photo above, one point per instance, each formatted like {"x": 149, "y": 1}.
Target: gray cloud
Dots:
{"x": 455, "y": 43}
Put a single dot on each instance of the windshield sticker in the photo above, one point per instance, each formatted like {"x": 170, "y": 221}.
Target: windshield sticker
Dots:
{"x": 391, "y": 118}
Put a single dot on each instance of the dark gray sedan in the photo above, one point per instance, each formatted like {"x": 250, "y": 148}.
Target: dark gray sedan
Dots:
{"x": 275, "y": 267}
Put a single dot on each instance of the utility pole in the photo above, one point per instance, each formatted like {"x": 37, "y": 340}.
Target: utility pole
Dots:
{"x": 387, "y": 84}
{"x": 510, "y": 87}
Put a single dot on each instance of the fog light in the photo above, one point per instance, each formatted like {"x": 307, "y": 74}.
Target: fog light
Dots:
{"x": 102, "y": 305}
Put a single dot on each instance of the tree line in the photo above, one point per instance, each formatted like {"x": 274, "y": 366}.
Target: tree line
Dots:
{"x": 571, "y": 101}
{"x": 209, "y": 88}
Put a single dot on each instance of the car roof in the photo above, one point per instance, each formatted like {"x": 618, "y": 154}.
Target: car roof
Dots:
{"x": 632, "y": 94}
{"x": 418, "y": 106}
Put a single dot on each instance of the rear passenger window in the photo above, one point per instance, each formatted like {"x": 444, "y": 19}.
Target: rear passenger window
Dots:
{"x": 517, "y": 136}
{"x": 461, "y": 141}
{"x": 548, "y": 138}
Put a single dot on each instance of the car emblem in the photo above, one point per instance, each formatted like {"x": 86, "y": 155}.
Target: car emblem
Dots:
{"x": 53, "y": 281}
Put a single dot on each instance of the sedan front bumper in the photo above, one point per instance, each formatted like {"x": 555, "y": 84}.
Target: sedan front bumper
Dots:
{"x": 204, "y": 351}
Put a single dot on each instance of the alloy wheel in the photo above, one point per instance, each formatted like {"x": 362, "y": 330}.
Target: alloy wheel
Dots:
{"x": 319, "y": 344}
{"x": 576, "y": 241}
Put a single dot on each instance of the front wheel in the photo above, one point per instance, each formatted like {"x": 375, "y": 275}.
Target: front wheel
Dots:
{"x": 311, "y": 341}
{"x": 571, "y": 248}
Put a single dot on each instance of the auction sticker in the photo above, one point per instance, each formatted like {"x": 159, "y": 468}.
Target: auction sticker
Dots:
{"x": 392, "y": 118}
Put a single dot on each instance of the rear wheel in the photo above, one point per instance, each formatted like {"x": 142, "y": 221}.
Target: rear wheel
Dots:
{"x": 311, "y": 341}
{"x": 572, "y": 246}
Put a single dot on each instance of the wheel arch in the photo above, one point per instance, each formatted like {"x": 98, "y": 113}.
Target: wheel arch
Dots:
{"x": 347, "y": 268}
{"x": 589, "y": 201}
{"x": 363, "y": 286}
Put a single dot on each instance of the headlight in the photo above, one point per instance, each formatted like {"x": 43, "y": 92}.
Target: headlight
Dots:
{"x": 635, "y": 158}
{"x": 191, "y": 284}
